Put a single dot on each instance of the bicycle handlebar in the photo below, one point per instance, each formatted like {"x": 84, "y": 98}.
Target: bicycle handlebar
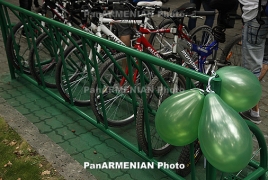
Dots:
{"x": 205, "y": 13}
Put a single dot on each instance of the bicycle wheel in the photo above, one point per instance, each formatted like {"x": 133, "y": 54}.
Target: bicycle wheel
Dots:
{"x": 47, "y": 53}
{"x": 184, "y": 158}
{"x": 163, "y": 42}
{"x": 259, "y": 149}
{"x": 254, "y": 163}
{"x": 77, "y": 75}
{"x": 18, "y": 50}
{"x": 202, "y": 35}
{"x": 232, "y": 52}
{"x": 157, "y": 93}
{"x": 47, "y": 61}
{"x": 117, "y": 96}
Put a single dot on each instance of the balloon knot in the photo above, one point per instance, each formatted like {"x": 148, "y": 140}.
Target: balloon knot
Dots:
{"x": 208, "y": 89}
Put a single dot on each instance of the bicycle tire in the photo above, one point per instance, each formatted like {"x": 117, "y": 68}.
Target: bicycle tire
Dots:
{"x": 47, "y": 57}
{"x": 200, "y": 39}
{"x": 232, "y": 52}
{"x": 78, "y": 76}
{"x": 256, "y": 153}
{"x": 184, "y": 158}
{"x": 202, "y": 36}
{"x": 22, "y": 45}
{"x": 118, "y": 101}
{"x": 159, "y": 147}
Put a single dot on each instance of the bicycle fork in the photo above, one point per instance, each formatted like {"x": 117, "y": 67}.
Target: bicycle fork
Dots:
{"x": 181, "y": 47}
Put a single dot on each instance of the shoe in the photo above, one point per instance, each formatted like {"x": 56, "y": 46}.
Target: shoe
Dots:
{"x": 248, "y": 116}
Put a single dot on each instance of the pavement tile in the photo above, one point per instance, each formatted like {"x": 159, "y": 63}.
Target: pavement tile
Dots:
{"x": 94, "y": 156}
{"x": 114, "y": 173}
{"x": 52, "y": 110}
{"x": 90, "y": 140}
{"x": 23, "y": 99}
{"x": 102, "y": 136}
{"x": 68, "y": 148}
{"x": 57, "y": 138}
{"x": 114, "y": 143}
{"x": 42, "y": 115}
{"x": 125, "y": 176}
{"x": 78, "y": 143}
{"x": 34, "y": 118}
{"x": 43, "y": 127}
{"x": 106, "y": 151}
{"x": 99, "y": 174}
{"x": 65, "y": 132}
{"x": 78, "y": 128}
{"x": 62, "y": 118}
{"x": 24, "y": 110}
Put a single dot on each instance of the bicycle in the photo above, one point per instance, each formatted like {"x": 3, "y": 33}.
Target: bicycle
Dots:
{"x": 231, "y": 56}
{"x": 168, "y": 82}
{"x": 19, "y": 41}
{"x": 78, "y": 75}
{"x": 254, "y": 161}
{"x": 232, "y": 52}
{"x": 116, "y": 91}
{"x": 45, "y": 53}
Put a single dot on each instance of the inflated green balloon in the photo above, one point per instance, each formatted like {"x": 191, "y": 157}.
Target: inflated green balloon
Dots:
{"x": 178, "y": 116}
{"x": 224, "y": 136}
{"x": 240, "y": 88}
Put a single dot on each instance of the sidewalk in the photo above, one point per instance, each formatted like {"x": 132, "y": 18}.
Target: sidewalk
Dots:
{"x": 67, "y": 140}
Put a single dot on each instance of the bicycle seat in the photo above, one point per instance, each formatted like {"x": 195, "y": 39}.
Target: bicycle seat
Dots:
{"x": 150, "y": 4}
{"x": 187, "y": 7}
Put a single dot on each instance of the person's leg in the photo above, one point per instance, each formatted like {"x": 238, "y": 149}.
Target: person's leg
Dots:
{"x": 26, "y": 4}
{"x": 126, "y": 40}
{"x": 265, "y": 61}
{"x": 124, "y": 33}
{"x": 36, "y": 3}
{"x": 209, "y": 19}
{"x": 253, "y": 45}
{"x": 192, "y": 21}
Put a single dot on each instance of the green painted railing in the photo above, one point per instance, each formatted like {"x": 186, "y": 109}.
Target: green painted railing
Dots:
{"x": 59, "y": 33}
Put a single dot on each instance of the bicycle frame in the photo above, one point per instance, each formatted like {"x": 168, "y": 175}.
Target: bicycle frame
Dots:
{"x": 143, "y": 44}
{"x": 203, "y": 52}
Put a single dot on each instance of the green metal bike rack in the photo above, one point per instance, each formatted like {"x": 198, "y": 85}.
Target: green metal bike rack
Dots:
{"x": 32, "y": 21}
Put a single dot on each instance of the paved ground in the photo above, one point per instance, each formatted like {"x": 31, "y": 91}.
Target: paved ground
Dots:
{"x": 67, "y": 140}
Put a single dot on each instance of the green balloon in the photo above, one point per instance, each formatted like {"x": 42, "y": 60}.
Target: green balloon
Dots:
{"x": 240, "y": 88}
{"x": 224, "y": 136}
{"x": 178, "y": 116}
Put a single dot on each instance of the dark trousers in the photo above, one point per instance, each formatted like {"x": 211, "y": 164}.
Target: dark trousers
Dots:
{"x": 26, "y": 4}
{"x": 36, "y": 3}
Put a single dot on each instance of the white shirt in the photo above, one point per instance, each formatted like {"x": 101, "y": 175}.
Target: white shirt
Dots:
{"x": 250, "y": 8}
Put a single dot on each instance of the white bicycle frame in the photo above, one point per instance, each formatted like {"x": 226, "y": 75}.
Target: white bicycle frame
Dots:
{"x": 101, "y": 28}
